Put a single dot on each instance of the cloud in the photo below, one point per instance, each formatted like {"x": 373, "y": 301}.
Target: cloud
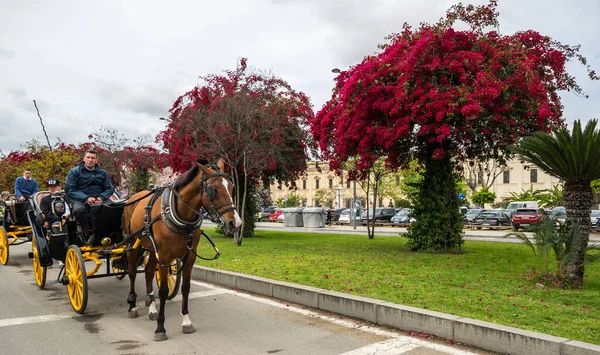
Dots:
{"x": 122, "y": 65}
{"x": 5, "y": 53}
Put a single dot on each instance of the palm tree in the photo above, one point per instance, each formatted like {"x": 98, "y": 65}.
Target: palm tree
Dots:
{"x": 573, "y": 158}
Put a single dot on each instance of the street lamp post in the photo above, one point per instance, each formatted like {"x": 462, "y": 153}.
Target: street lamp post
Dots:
{"x": 339, "y": 196}
{"x": 354, "y": 205}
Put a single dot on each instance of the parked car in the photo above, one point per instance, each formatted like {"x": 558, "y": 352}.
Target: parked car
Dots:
{"x": 379, "y": 214}
{"x": 527, "y": 217}
{"x": 492, "y": 218}
{"x": 403, "y": 217}
{"x": 472, "y": 213}
{"x": 275, "y": 214}
{"x": 344, "y": 216}
{"x": 267, "y": 212}
{"x": 522, "y": 204}
{"x": 595, "y": 214}
{"x": 336, "y": 214}
{"x": 508, "y": 212}
{"x": 559, "y": 214}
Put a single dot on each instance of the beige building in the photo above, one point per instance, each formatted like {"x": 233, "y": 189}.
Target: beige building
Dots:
{"x": 515, "y": 177}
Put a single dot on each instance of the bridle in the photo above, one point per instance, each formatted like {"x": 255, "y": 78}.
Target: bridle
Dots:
{"x": 209, "y": 190}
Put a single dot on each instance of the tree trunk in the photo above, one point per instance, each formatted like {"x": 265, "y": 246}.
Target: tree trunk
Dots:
{"x": 578, "y": 199}
{"x": 438, "y": 225}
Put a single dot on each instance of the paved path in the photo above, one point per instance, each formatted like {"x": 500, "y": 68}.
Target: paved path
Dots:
{"x": 484, "y": 235}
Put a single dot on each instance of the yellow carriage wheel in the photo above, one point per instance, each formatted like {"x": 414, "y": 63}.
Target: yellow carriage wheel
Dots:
{"x": 77, "y": 279}
{"x": 39, "y": 271}
{"x": 173, "y": 279}
{"x": 3, "y": 246}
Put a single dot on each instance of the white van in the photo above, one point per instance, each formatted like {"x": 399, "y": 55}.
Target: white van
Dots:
{"x": 522, "y": 204}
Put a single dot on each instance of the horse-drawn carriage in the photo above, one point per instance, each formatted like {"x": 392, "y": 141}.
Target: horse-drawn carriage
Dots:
{"x": 103, "y": 245}
{"x": 15, "y": 228}
{"x": 157, "y": 228}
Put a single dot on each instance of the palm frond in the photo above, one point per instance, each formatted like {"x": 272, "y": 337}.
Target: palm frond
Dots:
{"x": 523, "y": 238}
{"x": 569, "y": 156}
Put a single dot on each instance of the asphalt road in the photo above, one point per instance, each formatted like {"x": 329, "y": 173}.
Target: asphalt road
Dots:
{"x": 35, "y": 321}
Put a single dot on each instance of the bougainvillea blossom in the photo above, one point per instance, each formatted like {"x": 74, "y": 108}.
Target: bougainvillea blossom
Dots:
{"x": 436, "y": 91}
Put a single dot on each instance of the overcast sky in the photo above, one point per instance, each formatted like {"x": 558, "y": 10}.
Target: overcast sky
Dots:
{"x": 121, "y": 64}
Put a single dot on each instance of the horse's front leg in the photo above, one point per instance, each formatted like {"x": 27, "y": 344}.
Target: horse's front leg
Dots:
{"x": 132, "y": 257}
{"x": 160, "y": 333}
{"x": 150, "y": 271}
{"x": 186, "y": 326}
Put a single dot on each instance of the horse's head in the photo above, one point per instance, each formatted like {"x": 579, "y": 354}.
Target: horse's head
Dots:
{"x": 217, "y": 191}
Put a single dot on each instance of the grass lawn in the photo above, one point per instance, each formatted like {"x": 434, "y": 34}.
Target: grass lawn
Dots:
{"x": 493, "y": 282}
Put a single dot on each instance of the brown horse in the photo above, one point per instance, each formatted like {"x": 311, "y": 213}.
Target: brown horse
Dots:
{"x": 166, "y": 222}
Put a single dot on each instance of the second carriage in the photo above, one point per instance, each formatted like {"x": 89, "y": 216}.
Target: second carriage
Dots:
{"x": 14, "y": 228}
{"x": 82, "y": 256}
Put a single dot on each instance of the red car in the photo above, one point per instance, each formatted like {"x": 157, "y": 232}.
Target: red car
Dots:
{"x": 527, "y": 217}
{"x": 275, "y": 213}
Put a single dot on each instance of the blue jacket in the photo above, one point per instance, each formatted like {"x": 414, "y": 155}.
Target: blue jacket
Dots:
{"x": 83, "y": 183}
{"x": 24, "y": 187}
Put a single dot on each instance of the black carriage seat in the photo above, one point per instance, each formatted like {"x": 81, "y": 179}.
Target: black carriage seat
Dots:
{"x": 37, "y": 200}
{"x": 17, "y": 212}
{"x": 106, "y": 222}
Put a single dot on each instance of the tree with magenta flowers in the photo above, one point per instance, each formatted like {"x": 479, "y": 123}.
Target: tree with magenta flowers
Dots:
{"x": 254, "y": 121}
{"x": 444, "y": 96}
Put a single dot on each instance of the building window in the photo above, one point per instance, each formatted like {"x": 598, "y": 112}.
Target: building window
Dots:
{"x": 331, "y": 183}
{"x": 304, "y": 184}
{"x": 506, "y": 177}
{"x": 533, "y": 175}
{"x": 317, "y": 184}
{"x": 347, "y": 183}
{"x": 480, "y": 178}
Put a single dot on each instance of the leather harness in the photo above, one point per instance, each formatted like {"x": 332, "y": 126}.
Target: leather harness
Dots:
{"x": 168, "y": 214}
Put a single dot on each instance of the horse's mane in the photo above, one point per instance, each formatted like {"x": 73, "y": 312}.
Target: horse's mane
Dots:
{"x": 185, "y": 178}
{"x": 189, "y": 175}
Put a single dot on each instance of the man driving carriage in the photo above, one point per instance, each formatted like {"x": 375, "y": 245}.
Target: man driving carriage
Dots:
{"x": 25, "y": 186}
{"x": 55, "y": 211}
{"x": 88, "y": 185}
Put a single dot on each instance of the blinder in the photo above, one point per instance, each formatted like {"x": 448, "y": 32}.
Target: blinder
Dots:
{"x": 210, "y": 192}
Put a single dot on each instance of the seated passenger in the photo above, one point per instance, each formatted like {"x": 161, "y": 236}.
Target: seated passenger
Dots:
{"x": 25, "y": 186}
{"x": 4, "y": 196}
{"x": 88, "y": 184}
{"x": 55, "y": 210}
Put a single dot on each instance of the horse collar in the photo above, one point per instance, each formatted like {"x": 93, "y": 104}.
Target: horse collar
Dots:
{"x": 172, "y": 220}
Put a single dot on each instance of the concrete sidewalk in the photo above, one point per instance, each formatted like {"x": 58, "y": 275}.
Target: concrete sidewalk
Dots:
{"x": 488, "y": 336}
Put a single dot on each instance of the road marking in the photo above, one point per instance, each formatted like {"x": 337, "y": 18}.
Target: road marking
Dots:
{"x": 388, "y": 347}
{"x": 31, "y": 320}
{"x": 200, "y": 294}
{"x": 55, "y": 317}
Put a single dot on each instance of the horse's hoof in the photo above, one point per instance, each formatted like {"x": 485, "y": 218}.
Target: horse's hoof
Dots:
{"x": 160, "y": 336}
{"x": 132, "y": 314}
{"x": 188, "y": 329}
{"x": 152, "y": 316}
